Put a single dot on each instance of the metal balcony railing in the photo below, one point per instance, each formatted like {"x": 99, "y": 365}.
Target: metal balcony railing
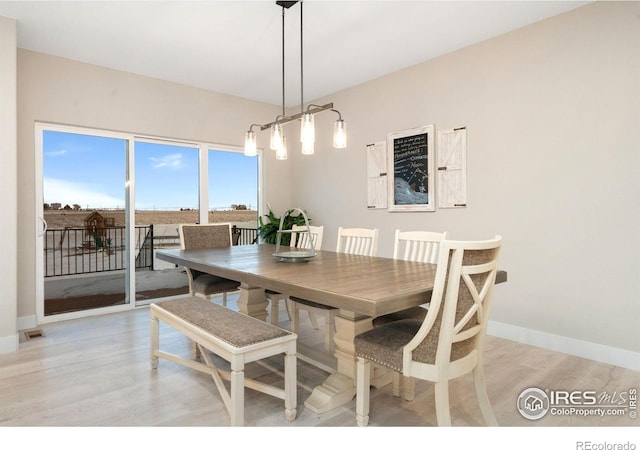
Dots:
{"x": 244, "y": 236}
{"x": 75, "y": 251}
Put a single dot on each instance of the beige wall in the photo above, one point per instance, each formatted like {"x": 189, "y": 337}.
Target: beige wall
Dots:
{"x": 551, "y": 112}
{"x": 52, "y": 89}
{"x": 8, "y": 186}
{"x": 553, "y": 139}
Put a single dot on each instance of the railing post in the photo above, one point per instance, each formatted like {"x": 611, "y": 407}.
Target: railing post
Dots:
{"x": 236, "y": 235}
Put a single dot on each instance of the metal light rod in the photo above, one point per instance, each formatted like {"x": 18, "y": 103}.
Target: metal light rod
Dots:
{"x": 297, "y": 116}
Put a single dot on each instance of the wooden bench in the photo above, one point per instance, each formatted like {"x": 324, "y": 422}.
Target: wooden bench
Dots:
{"x": 233, "y": 336}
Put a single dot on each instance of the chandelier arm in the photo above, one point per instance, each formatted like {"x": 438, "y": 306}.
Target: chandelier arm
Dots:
{"x": 311, "y": 105}
{"x": 288, "y": 119}
{"x": 281, "y": 119}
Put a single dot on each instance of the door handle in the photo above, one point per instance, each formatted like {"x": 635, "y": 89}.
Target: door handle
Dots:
{"x": 44, "y": 226}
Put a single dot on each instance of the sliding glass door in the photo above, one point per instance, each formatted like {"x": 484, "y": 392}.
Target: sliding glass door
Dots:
{"x": 84, "y": 254}
{"x": 166, "y": 195}
{"x": 109, "y": 201}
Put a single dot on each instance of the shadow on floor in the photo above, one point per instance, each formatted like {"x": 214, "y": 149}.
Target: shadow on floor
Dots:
{"x": 54, "y": 306}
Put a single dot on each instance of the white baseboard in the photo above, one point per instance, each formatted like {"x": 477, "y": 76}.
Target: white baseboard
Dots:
{"x": 584, "y": 349}
{"x": 27, "y": 322}
{"x": 9, "y": 344}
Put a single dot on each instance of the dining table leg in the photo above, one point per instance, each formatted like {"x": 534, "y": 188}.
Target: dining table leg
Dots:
{"x": 340, "y": 387}
{"x": 253, "y": 302}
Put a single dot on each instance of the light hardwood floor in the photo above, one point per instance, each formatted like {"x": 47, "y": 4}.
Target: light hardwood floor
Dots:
{"x": 96, "y": 372}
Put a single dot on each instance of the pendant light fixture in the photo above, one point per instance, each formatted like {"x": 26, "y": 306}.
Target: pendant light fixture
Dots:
{"x": 339, "y": 132}
{"x": 306, "y": 117}
{"x": 250, "y": 144}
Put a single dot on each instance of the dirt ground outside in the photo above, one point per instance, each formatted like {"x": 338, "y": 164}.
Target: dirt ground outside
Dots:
{"x": 59, "y": 219}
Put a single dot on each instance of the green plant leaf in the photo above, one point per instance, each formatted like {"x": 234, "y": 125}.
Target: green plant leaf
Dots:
{"x": 268, "y": 230}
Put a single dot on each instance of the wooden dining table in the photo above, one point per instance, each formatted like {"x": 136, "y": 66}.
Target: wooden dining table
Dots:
{"x": 361, "y": 287}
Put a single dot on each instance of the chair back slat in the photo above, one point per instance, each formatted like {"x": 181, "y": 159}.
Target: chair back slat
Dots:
{"x": 300, "y": 238}
{"x": 358, "y": 241}
{"x": 422, "y": 246}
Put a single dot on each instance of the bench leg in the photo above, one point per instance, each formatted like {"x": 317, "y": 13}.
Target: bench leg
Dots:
{"x": 155, "y": 338}
{"x": 290, "y": 385}
{"x": 237, "y": 395}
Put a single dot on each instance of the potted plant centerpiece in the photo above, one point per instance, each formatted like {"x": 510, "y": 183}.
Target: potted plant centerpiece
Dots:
{"x": 268, "y": 228}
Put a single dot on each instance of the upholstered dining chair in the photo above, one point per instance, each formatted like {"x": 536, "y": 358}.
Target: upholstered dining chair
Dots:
{"x": 449, "y": 342}
{"x": 300, "y": 238}
{"x": 356, "y": 241}
{"x": 195, "y": 236}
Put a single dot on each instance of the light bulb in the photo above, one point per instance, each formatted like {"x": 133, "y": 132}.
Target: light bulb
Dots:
{"x": 281, "y": 152}
{"x": 250, "y": 144}
{"x": 307, "y": 148}
{"x": 307, "y": 132}
{"x": 276, "y": 136}
{"x": 340, "y": 134}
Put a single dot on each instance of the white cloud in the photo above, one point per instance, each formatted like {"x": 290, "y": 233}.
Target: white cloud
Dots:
{"x": 56, "y": 153}
{"x": 85, "y": 195}
{"x": 172, "y": 161}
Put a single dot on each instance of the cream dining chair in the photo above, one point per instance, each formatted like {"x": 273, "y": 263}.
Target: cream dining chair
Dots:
{"x": 449, "y": 342}
{"x": 421, "y": 246}
{"x": 356, "y": 241}
{"x": 300, "y": 238}
{"x": 196, "y": 236}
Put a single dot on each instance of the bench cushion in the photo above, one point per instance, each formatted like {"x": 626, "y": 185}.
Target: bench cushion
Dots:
{"x": 232, "y": 327}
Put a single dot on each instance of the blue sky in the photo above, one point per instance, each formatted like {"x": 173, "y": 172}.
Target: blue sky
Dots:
{"x": 90, "y": 171}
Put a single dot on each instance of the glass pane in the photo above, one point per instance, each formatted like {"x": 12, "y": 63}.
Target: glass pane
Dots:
{"x": 233, "y": 193}
{"x": 84, "y": 201}
{"x": 166, "y": 195}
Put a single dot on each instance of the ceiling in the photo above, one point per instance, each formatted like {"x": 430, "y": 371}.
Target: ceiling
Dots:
{"x": 235, "y": 47}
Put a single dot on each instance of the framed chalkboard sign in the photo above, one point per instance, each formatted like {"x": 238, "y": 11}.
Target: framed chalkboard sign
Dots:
{"x": 411, "y": 156}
